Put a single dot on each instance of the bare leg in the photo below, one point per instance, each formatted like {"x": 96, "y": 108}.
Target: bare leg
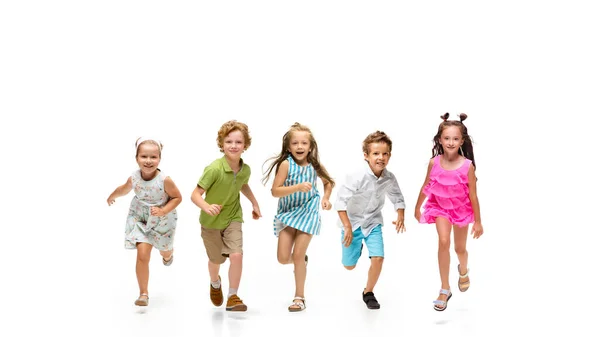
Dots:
{"x": 300, "y": 246}
{"x": 460, "y": 246}
{"x": 142, "y": 267}
{"x": 235, "y": 270}
{"x": 374, "y": 272}
{"x": 444, "y": 228}
{"x": 213, "y": 271}
{"x": 285, "y": 244}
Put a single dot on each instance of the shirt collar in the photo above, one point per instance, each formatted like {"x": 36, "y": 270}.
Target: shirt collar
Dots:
{"x": 226, "y": 164}
{"x": 370, "y": 173}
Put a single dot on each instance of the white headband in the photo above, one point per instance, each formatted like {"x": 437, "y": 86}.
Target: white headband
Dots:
{"x": 143, "y": 139}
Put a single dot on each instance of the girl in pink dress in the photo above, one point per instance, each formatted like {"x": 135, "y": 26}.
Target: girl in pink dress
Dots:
{"x": 452, "y": 203}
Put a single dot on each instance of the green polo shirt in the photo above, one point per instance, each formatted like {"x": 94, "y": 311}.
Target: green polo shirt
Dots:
{"x": 223, "y": 187}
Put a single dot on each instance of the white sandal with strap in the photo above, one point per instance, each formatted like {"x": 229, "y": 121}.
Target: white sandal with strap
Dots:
{"x": 298, "y": 304}
{"x": 440, "y": 305}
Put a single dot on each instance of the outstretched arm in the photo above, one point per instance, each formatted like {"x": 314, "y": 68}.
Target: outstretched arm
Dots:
{"x": 120, "y": 191}
{"x": 477, "y": 229}
{"x": 247, "y": 192}
{"x": 422, "y": 196}
{"x": 174, "y": 199}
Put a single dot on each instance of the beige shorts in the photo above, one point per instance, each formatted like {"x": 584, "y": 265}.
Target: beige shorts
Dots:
{"x": 220, "y": 243}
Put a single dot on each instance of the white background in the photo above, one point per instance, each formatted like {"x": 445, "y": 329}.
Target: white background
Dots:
{"x": 81, "y": 80}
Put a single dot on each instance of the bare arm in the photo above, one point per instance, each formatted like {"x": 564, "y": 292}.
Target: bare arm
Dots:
{"x": 199, "y": 201}
{"x": 247, "y": 192}
{"x": 422, "y": 196}
{"x": 278, "y": 190}
{"x": 400, "y": 221}
{"x": 174, "y": 199}
{"x": 120, "y": 191}
{"x": 348, "y": 236}
{"x": 477, "y": 229}
{"x": 327, "y": 189}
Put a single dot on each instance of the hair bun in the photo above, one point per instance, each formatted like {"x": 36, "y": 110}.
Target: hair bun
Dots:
{"x": 445, "y": 116}
{"x": 462, "y": 116}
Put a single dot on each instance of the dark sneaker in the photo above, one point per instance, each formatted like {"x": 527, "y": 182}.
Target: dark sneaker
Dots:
{"x": 370, "y": 300}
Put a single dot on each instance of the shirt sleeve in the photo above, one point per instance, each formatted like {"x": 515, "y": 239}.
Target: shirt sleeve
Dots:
{"x": 207, "y": 179}
{"x": 395, "y": 194}
{"x": 345, "y": 192}
{"x": 247, "y": 177}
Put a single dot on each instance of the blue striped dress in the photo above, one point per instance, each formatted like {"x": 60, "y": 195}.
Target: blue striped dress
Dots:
{"x": 299, "y": 210}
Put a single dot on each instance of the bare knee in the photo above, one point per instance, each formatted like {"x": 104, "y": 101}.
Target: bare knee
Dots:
{"x": 143, "y": 258}
{"x": 460, "y": 250}
{"x": 283, "y": 258}
{"x": 377, "y": 261}
{"x": 350, "y": 267}
{"x": 235, "y": 258}
{"x": 444, "y": 244}
{"x": 297, "y": 257}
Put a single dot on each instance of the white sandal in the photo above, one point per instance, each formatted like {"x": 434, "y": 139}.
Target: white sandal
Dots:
{"x": 297, "y": 305}
{"x": 440, "y": 305}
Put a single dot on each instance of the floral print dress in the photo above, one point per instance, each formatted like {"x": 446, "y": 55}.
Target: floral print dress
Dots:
{"x": 140, "y": 225}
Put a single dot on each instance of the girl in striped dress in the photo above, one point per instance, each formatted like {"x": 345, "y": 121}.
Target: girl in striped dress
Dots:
{"x": 295, "y": 184}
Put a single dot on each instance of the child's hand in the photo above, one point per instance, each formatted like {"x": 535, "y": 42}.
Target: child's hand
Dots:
{"x": 477, "y": 230}
{"x": 256, "y": 212}
{"x": 304, "y": 187}
{"x": 213, "y": 209}
{"x": 326, "y": 204}
{"x": 110, "y": 200}
{"x": 157, "y": 211}
{"x": 347, "y": 236}
{"x": 418, "y": 214}
{"x": 399, "y": 225}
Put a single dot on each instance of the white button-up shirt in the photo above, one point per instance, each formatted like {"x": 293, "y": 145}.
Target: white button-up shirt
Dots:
{"x": 362, "y": 196}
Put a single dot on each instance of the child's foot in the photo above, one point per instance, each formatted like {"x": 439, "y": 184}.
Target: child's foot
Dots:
{"x": 298, "y": 304}
{"x": 442, "y": 301}
{"x": 167, "y": 262}
{"x": 370, "y": 300}
{"x": 463, "y": 280}
{"x": 216, "y": 294}
{"x": 142, "y": 301}
{"x": 234, "y": 303}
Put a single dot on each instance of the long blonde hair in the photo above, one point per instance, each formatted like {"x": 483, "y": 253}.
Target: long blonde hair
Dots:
{"x": 313, "y": 156}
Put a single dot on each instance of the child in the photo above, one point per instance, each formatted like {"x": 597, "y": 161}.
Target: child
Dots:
{"x": 221, "y": 215}
{"x": 298, "y": 218}
{"x": 359, "y": 204}
{"x": 452, "y": 204}
{"x": 152, "y": 216}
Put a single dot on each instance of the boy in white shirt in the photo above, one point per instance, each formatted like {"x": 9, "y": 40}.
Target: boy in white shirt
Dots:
{"x": 359, "y": 203}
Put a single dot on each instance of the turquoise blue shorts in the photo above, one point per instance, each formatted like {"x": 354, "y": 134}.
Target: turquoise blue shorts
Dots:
{"x": 374, "y": 244}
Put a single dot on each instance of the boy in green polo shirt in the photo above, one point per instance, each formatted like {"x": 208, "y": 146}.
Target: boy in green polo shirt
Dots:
{"x": 221, "y": 215}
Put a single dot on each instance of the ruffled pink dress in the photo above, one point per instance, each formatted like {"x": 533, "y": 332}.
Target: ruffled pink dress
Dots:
{"x": 448, "y": 195}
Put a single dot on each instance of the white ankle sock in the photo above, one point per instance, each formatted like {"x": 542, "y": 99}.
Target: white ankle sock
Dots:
{"x": 232, "y": 291}
{"x": 216, "y": 284}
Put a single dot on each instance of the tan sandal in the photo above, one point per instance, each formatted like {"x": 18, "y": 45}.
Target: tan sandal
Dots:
{"x": 169, "y": 261}
{"x": 142, "y": 302}
{"x": 463, "y": 286}
{"x": 298, "y": 304}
